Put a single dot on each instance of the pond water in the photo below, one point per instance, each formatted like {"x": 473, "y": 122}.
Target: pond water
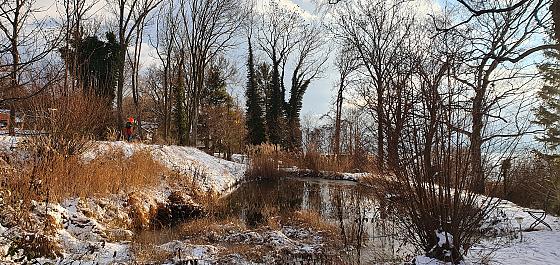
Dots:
{"x": 366, "y": 227}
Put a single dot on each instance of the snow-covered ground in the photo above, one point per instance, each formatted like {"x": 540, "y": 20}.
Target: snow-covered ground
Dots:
{"x": 98, "y": 230}
{"x": 213, "y": 174}
{"x": 539, "y": 247}
{"x": 535, "y": 247}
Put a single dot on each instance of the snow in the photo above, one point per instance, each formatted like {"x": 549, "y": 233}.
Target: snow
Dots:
{"x": 210, "y": 173}
{"x": 185, "y": 251}
{"x": 423, "y": 260}
{"x": 354, "y": 176}
{"x": 535, "y": 247}
{"x": 214, "y": 174}
{"x": 8, "y": 142}
{"x": 444, "y": 238}
{"x": 95, "y": 230}
{"x": 87, "y": 237}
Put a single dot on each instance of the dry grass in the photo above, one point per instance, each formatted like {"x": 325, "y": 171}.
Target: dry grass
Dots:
{"x": 250, "y": 252}
{"x": 202, "y": 227}
{"x": 266, "y": 159}
{"x": 50, "y": 175}
{"x": 150, "y": 254}
{"x": 315, "y": 161}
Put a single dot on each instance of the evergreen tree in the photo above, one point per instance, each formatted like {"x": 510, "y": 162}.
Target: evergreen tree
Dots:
{"x": 216, "y": 104}
{"x": 180, "y": 110}
{"x": 255, "y": 124}
{"x": 215, "y": 88}
{"x": 275, "y": 119}
{"x": 96, "y": 65}
{"x": 548, "y": 113}
{"x": 293, "y": 110}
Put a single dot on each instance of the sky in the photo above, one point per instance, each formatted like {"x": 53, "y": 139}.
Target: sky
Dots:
{"x": 317, "y": 100}
{"x": 320, "y": 94}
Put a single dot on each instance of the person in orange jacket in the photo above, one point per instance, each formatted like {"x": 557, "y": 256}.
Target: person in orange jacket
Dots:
{"x": 129, "y": 129}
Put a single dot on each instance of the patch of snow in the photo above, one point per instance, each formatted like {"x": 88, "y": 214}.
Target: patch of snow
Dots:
{"x": 444, "y": 238}
{"x": 423, "y": 260}
{"x": 239, "y": 158}
{"x": 353, "y": 176}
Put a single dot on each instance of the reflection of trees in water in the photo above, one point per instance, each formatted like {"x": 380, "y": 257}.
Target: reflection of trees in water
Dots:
{"x": 365, "y": 227}
{"x": 367, "y": 230}
{"x": 255, "y": 202}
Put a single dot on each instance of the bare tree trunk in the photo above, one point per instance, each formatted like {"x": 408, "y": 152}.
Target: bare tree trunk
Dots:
{"x": 338, "y": 118}
{"x": 127, "y": 26}
{"x": 476, "y": 142}
{"x": 166, "y": 115}
{"x": 14, "y": 82}
{"x": 380, "y": 124}
{"x": 135, "y": 81}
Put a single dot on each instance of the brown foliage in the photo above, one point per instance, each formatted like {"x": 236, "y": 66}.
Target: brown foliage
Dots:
{"x": 48, "y": 174}
{"x": 70, "y": 118}
{"x": 264, "y": 161}
{"x": 533, "y": 182}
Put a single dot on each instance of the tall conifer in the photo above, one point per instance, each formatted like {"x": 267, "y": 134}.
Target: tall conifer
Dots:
{"x": 255, "y": 123}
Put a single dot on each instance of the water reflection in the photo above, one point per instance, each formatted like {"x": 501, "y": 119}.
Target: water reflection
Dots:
{"x": 366, "y": 227}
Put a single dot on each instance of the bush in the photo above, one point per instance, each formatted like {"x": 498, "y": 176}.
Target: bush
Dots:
{"x": 534, "y": 182}
{"x": 72, "y": 118}
{"x": 434, "y": 200}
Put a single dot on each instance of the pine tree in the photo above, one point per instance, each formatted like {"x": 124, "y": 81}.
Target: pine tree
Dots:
{"x": 275, "y": 119}
{"x": 255, "y": 123}
{"x": 548, "y": 113}
{"x": 180, "y": 112}
{"x": 96, "y": 64}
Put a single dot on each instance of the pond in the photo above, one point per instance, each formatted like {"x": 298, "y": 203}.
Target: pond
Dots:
{"x": 366, "y": 228}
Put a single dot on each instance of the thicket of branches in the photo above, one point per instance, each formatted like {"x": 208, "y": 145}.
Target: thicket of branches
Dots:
{"x": 447, "y": 94}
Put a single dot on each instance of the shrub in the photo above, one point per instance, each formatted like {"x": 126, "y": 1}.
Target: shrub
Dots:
{"x": 534, "y": 182}
{"x": 69, "y": 119}
{"x": 264, "y": 161}
{"x": 434, "y": 200}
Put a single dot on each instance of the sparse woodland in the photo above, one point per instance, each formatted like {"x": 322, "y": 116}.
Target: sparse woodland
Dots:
{"x": 447, "y": 106}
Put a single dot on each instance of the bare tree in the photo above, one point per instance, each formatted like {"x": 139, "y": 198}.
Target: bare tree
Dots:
{"x": 276, "y": 38}
{"x": 377, "y": 31}
{"x": 165, "y": 45}
{"x": 310, "y": 57}
{"x": 22, "y": 34}
{"x": 285, "y": 37}
{"x": 497, "y": 42}
{"x": 346, "y": 63}
{"x": 135, "y": 67}
{"x": 130, "y": 15}
{"x": 207, "y": 29}
{"x": 74, "y": 14}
